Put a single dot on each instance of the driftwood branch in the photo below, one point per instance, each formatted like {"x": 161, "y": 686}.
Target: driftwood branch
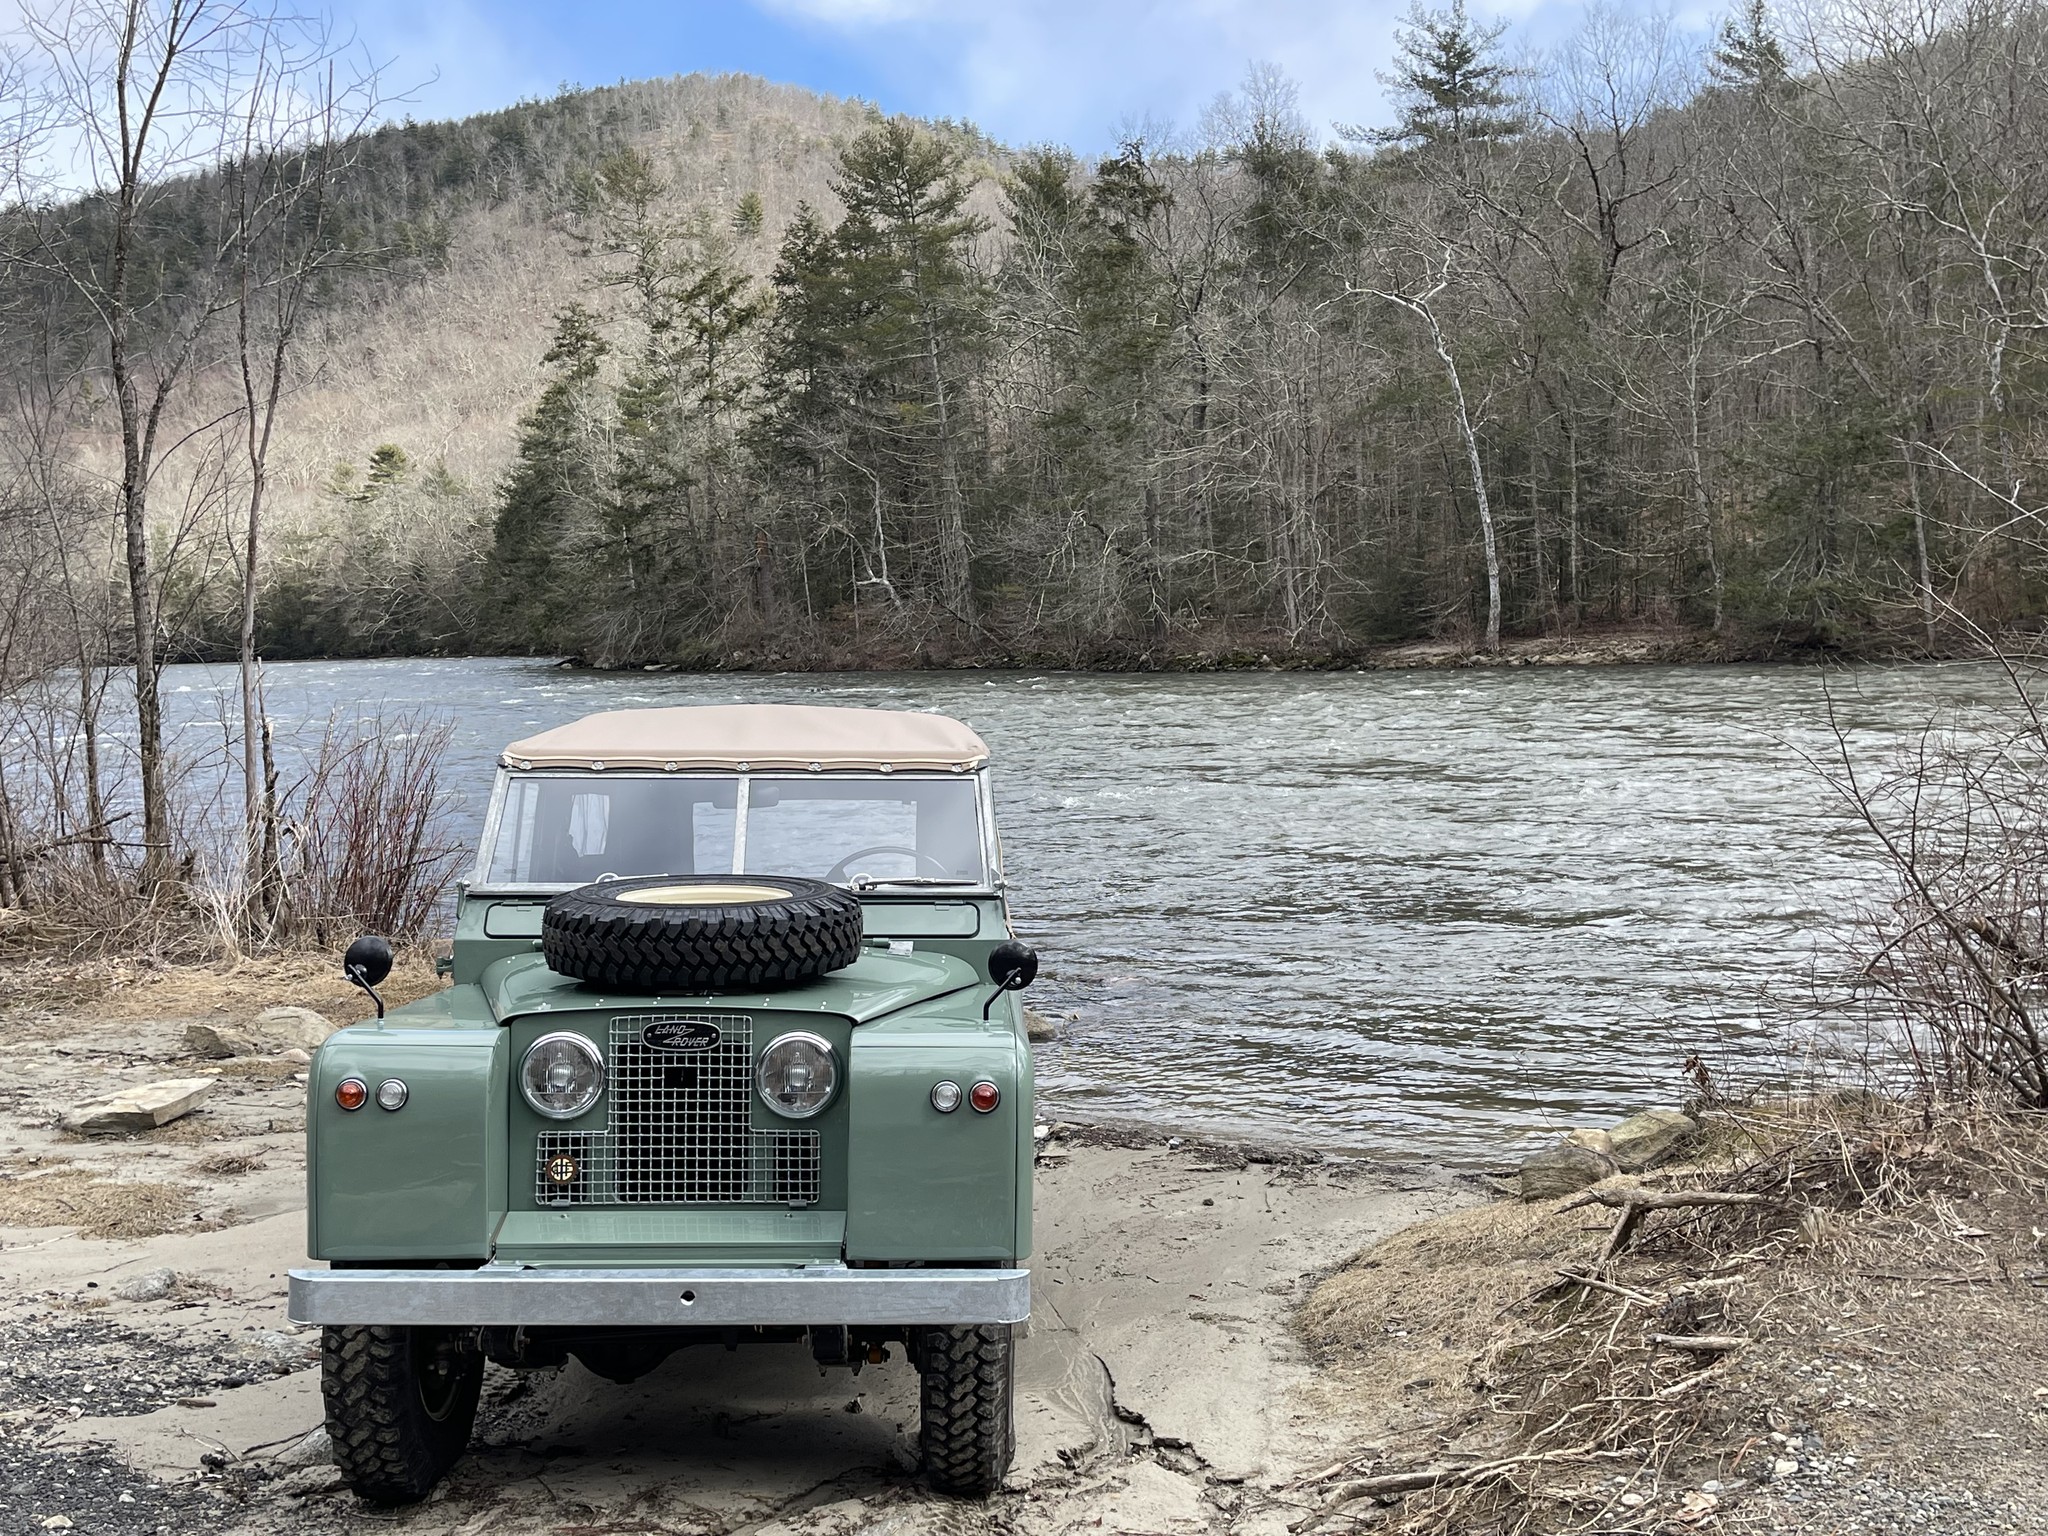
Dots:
{"x": 1594, "y": 1283}
{"x": 1701, "y": 1343}
{"x": 1631, "y": 1205}
{"x": 1392, "y": 1484}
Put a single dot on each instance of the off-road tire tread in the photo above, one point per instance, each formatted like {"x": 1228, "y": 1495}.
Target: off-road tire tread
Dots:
{"x": 966, "y": 1427}
{"x": 588, "y": 934}
{"x": 385, "y": 1447}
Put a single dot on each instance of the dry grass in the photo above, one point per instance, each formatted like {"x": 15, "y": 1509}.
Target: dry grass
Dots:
{"x": 229, "y": 1165}
{"x": 1887, "y": 1299}
{"x": 145, "y": 989}
{"x": 69, "y": 1196}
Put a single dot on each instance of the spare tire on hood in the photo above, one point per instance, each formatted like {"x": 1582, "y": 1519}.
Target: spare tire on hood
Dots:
{"x": 701, "y": 933}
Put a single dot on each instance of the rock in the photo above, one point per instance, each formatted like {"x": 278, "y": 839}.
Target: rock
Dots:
{"x": 309, "y": 1482}
{"x": 1564, "y": 1169}
{"x": 1038, "y": 1027}
{"x": 1592, "y": 1141}
{"x": 1652, "y": 1137}
{"x": 298, "y": 1056}
{"x": 283, "y": 1352}
{"x": 218, "y": 1042}
{"x": 283, "y": 1029}
{"x": 311, "y": 1450}
{"x": 143, "y": 1108}
{"x": 150, "y": 1285}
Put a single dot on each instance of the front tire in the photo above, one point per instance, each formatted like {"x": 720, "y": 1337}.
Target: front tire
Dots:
{"x": 400, "y": 1405}
{"x": 966, "y": 1428}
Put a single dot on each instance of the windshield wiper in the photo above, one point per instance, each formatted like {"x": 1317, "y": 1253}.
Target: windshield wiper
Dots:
{"x": 870, "y": 882}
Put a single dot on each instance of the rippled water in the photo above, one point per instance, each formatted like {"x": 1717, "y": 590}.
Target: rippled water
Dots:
{"x": 1414, "y": 912}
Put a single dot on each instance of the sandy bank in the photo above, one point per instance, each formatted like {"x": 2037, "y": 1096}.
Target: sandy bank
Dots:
{"x": 1161, "y": 1387}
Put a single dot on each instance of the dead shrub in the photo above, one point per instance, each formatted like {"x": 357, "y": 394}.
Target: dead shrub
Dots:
{"x": 1958, "y": 952}
{"x": 1542, "y": 1387}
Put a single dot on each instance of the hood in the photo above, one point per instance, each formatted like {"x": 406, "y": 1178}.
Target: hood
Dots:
{"x": 874, "y": 985}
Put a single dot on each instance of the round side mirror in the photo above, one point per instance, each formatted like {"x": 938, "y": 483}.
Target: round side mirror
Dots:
{"x": 368, "y": 960}
{"x": 1013, "y": 966}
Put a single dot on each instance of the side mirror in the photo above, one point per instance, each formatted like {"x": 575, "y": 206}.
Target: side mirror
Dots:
{"x": 367, "y": 962}
{"x": 1012, "y": 967}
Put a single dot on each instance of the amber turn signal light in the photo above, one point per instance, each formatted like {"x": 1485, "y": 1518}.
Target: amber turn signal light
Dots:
{"x": 351, "y": 1093}
{"x": 984, "y": 1096}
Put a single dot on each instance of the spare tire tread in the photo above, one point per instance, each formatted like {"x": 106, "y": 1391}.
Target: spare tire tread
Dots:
{"x": 590, "y": 933}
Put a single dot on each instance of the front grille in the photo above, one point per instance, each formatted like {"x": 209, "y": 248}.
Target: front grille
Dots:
{"x": 680, "y": 1131}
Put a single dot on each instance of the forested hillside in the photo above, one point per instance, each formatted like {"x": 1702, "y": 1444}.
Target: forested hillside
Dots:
{"x": 1741, "y": 337}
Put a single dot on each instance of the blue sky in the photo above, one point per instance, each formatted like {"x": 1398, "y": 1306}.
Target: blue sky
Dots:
{"x": 1028, "y": 71}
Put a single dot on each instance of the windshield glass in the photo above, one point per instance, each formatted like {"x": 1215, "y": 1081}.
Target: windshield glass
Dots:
{"x": 571, "y": 829}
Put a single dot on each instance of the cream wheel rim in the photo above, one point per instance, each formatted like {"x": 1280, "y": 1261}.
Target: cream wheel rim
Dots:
{"x": 703, "y": 895}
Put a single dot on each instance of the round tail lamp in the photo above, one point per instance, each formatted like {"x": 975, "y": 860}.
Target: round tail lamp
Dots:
{"x": 351, "y": 1093}
{"x": 984, "y": 1096}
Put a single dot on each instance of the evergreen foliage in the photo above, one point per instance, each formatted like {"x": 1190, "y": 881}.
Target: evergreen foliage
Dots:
{"x": 1449, "y": 81}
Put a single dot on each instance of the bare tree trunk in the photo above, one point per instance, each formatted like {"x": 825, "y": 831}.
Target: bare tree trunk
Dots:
{"x": 1923, "y": 576}
{"x": 1471, "y": 439}
{"x": 1571, "y": 502}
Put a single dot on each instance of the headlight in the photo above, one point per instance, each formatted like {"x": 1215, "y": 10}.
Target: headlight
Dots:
{"x": 797, "y": 1075}
{"x": 561, "y": 1076}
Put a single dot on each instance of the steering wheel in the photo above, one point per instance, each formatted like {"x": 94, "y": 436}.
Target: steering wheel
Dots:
{"x": 839, "y": 871}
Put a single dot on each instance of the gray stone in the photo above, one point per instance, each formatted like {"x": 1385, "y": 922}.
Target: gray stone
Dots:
{"x": 143, "y": 1108}
{"x": 1038, "y": 1027}
{"x": 283, "y": 1029}
{"x": 219, "y": 1042}
{"x": 1652, "y": 1137}
{"x": 283, "y": 1352}
{"x": 1564, "y": 1170}
{"x": 1592, "y": 1141}
{"x": 309, "y": 1450}
{"x": 150, "y": 1285}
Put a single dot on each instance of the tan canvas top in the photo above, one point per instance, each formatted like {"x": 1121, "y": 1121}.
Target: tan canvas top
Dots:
{"x": 754, "y": 736}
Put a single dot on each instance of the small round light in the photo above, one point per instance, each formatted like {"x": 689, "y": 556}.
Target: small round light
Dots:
{"x": 391, "y": 1094}
{"x": 351, "y": 1093}
{"x": 561, "y": 1076}
{"x": 562, "y": 1169}
{"x": 984, "y": 1096}
{"x": 797, "y": 1075}
{"x": 945, "y": 1097}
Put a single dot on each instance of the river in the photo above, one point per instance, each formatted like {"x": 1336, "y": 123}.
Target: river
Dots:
{"x": 1427, "y": 914}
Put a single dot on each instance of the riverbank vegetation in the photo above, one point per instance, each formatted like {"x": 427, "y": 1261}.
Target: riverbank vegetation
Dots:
{"x": 1833, "y": 1325}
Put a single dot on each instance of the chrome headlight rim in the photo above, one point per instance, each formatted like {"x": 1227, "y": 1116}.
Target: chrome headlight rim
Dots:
{"x": 582, "y": 1043}
{"x": 804, "y": 1037}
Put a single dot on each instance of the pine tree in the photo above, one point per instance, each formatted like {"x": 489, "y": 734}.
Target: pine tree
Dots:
{"x": 550, "y": 493}
{"x": 748, "y": 218}
{"x": 390, "y": 467}
{"x": 1449, "y": 81}
{"x": 878, "y": 336}
{"x": 1747, "y": 54}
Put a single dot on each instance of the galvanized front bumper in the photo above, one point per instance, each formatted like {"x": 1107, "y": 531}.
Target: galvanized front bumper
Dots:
{"x": 513, "y": 1296}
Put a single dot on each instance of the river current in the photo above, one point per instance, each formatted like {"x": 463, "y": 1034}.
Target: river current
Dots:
{"x": 1413, "y": 913}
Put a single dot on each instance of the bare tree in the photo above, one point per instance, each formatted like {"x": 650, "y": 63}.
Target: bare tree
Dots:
{"x": 298, "y": 126}
{"x": 138, "y": 107}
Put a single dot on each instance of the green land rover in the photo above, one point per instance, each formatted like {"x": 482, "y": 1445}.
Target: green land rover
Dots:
{"x": 730, "y": 1055}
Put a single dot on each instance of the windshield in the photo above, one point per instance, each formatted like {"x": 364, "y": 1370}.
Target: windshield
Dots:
{"x": 571, "y": 829}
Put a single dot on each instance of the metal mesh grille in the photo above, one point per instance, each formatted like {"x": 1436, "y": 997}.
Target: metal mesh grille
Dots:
{"x": 680, "y": 1132}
